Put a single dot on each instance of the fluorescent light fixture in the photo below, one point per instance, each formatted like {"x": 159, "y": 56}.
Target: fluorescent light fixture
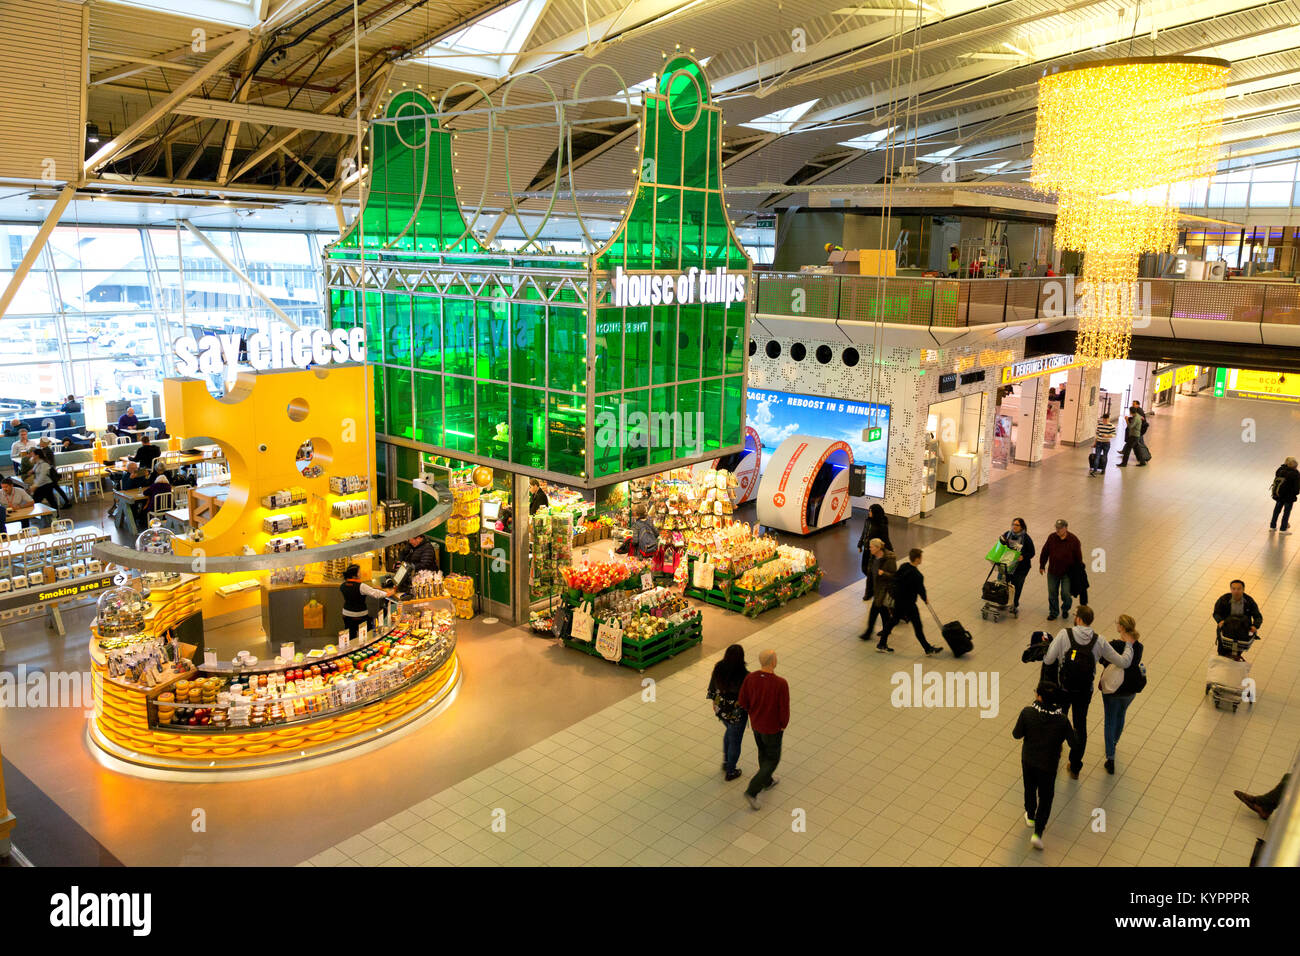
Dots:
{"x": 780, "y": 121}
{"x": 1015, "y": 49}
{"x": 940, "y": 156}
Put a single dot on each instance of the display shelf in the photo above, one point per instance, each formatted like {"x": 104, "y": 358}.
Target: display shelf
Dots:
{"x": 753, "y": 603}
{"x": 642, "y": 654}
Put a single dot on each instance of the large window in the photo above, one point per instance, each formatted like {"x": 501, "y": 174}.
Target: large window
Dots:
{"x": 98, "y": 310}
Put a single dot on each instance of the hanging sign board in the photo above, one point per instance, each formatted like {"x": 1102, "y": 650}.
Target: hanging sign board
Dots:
{"x": 1031, "y": 368}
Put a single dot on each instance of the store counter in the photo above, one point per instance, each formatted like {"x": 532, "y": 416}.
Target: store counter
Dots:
{"x": 282, "y": 613}
{"x": 156, "y": 708}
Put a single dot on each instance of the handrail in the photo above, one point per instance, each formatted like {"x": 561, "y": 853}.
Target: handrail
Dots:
{"x": 1282, "y": 838}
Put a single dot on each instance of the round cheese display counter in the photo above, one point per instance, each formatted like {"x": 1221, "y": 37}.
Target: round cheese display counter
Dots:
{"x": 155, "y": 708}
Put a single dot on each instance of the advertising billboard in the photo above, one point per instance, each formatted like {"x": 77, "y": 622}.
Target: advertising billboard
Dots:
{"x": 778, "y": 415}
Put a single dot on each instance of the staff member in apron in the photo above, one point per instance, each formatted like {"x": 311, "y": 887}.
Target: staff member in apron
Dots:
{"x": 355, "y": 593}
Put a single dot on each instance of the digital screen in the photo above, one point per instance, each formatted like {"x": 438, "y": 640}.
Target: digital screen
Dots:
{"x": 778, "y": 415}
{"x": 1271, "y": 386}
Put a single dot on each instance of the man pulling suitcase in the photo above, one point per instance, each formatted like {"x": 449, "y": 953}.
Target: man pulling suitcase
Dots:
{"x": 909, "y": 585}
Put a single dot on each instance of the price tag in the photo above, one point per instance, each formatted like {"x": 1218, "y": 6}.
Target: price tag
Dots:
{"x": 344, "y": 641}
{"x": 647, "y": 580}
{"x": 209, "y": 658}
{"x": 286, "y": 651}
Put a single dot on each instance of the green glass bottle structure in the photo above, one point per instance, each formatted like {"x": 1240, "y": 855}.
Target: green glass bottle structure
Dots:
{"x": 582, "y": 368}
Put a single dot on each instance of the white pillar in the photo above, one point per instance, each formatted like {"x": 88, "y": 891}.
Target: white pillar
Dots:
{"x": 1079, "y": 417}
{"x": 1031, "y": 425}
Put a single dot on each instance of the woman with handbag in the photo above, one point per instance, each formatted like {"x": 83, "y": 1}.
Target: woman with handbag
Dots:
{"x": 1119, "y": 685}
{"x": 724, "y": 688}
{"x": 1018, "y": 540}
{"x": 876, "y": 526}
{"x": 881, "y": 568}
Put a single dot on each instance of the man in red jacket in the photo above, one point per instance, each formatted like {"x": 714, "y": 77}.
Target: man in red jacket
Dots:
{"x": 766, "y": 698}
{"x": 1059, "y": 554}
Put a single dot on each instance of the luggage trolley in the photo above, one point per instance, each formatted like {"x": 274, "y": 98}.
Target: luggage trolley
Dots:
{"x": 998, "y": 591}
{"x": 1225, "y": 678}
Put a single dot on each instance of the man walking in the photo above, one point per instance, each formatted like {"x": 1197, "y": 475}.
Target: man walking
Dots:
{"x": 1105, "y": 435}
{"x": 909, "y": 584}
{"x": 1285, "y": 490}
{"x": 766, "y": 698}
{"x": 1075, "y": 652}
{"x": 1043, "y": 728}
{"x": 1059, "y": 554}
{"x": 1136, "y": 424}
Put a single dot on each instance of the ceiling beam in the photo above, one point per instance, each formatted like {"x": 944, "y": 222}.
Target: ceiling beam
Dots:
{"x": 264, "y": 115}
{"x": 232, "y": 128}
{"x": 167, "y": 104}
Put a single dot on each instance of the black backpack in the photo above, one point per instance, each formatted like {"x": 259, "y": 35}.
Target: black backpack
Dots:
{"x": 1278, "y": 484}
{"x": 1077, "y": 667}
{"x": 1145, "y": 425}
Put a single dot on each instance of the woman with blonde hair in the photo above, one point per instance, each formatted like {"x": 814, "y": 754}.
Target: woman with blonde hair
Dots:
{"x": 1119, "y": 685}
{"x": 1285, "y": 489}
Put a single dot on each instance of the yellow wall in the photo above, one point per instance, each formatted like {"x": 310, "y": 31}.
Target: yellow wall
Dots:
{"x": 260, "y": 439}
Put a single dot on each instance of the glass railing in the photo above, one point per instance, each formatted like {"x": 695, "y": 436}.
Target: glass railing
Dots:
{"x": 962, "y": 303}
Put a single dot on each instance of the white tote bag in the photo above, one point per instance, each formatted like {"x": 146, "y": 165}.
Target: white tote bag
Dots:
{"x": 609, "y": 641}
{"x": 583, "y": 623}
{"x": 1111, "y": 679}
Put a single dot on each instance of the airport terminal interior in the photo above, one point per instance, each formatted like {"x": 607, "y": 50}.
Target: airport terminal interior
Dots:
{"x": 649, "y": 433}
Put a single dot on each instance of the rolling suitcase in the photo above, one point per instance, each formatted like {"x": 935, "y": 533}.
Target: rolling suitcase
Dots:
{"x": 1142, "y": 451}
{"x": 957, "y": 637}
{"x": 1097, "y": 460}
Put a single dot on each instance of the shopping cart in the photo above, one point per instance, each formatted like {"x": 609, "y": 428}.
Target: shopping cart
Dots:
{"x": 998, "y": 592}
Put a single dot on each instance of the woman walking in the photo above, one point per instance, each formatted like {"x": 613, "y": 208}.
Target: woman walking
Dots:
{"x": 1018, "y": 538}
{"x": 724, "y": 687}
{"x": 45, "y": 484}
{"x": 876, "y": 526}
{"x": 1119, "y": 685}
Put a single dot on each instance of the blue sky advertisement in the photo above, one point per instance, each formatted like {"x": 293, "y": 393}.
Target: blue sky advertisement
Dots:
{"x": 778, "y": 415}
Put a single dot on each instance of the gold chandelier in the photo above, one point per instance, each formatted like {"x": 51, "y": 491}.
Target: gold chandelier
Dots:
{"x": 1113, "y": 139}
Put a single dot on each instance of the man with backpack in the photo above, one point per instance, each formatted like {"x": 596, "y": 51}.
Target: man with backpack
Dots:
{"x": 1073, "y": 655}
{"x": 1134, "y": 430}
{"x": 1285, "y": 489}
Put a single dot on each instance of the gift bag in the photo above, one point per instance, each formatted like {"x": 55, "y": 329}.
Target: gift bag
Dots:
{"x": 583, "y": 623}
{"x": 313, "y": 615}
{"x": 996, "y": 552}
{"x": 562, "y": 622}
{"x": 703, "y": 575}
{"x": 609, "y": 640}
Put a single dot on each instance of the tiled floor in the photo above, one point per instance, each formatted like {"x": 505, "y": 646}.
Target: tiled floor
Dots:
{"x": 865, "y": 782}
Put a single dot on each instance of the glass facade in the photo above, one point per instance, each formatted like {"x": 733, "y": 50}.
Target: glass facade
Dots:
{"x": 525, "y": 360}
{"x": 98, "y": 310}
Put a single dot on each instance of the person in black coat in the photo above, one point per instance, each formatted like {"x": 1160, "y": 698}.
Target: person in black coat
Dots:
{"x": 1018, "y": 538}
{"x": 1044, "y": 728}
{"x": 423, "y": 555}
{"x": 1237, "y": 603}
{"x": 1286, "y": 488}
{"x": 724, "y": 690}
{"x": 909, "y": 585}
{"x": 876, "y": 526}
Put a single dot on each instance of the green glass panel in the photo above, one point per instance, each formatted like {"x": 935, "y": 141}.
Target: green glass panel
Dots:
{"x": 639, "y": 231}
{"x": 668, "y": 151}
{"x": 692, "y": 227}
{"x": 397, "y": 329}
{"x": 635, "y": 429}
{"x": 342, "y": 309}
{"x": 696, "y": 141}
{"x": 688, "y": 408}
{"x": 663, "y": 340}
{"x": 372, "y": 314}
{"x": 689, "y": 341}
{"x": 567, "y": 349}
{"x": 426, "y": 333}
{"x": 734, "y": 351}
{"x": 566, "y": 434}
{"x": 377, "y": 373}
{"x": 458, "y": 413}
{"x": 407, "y": 462}
{"x": 397, "y": 388}
{"x": 636, "y": 347}
{"x": 528, "y": 427}
{"x": 458, "y": 336}
{"x": 733, "y": 410}
{"x": 716, "y": 235}
{"x": 493, "y": 340}
{"x": 428, "y": 408}
{"x": 668, "y": 229}
{"x": 608, "y": 437}
{"x": 711, "y": 409}
{"x": 712, "y": 163}
{"x": 609, "y": 350}
{"x": 715, "y": 328}
{"x": 498, "y": 588}
{"x": 493, "y": 416}
{"x": 528, "y": 345}
{"x": 665, "y": 424}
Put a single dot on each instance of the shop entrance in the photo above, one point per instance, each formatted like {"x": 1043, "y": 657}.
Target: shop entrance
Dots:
{"x": 955, "y": 447}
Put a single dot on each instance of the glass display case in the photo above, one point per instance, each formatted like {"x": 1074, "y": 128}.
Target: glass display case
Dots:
{"x": 930, "y": 473}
